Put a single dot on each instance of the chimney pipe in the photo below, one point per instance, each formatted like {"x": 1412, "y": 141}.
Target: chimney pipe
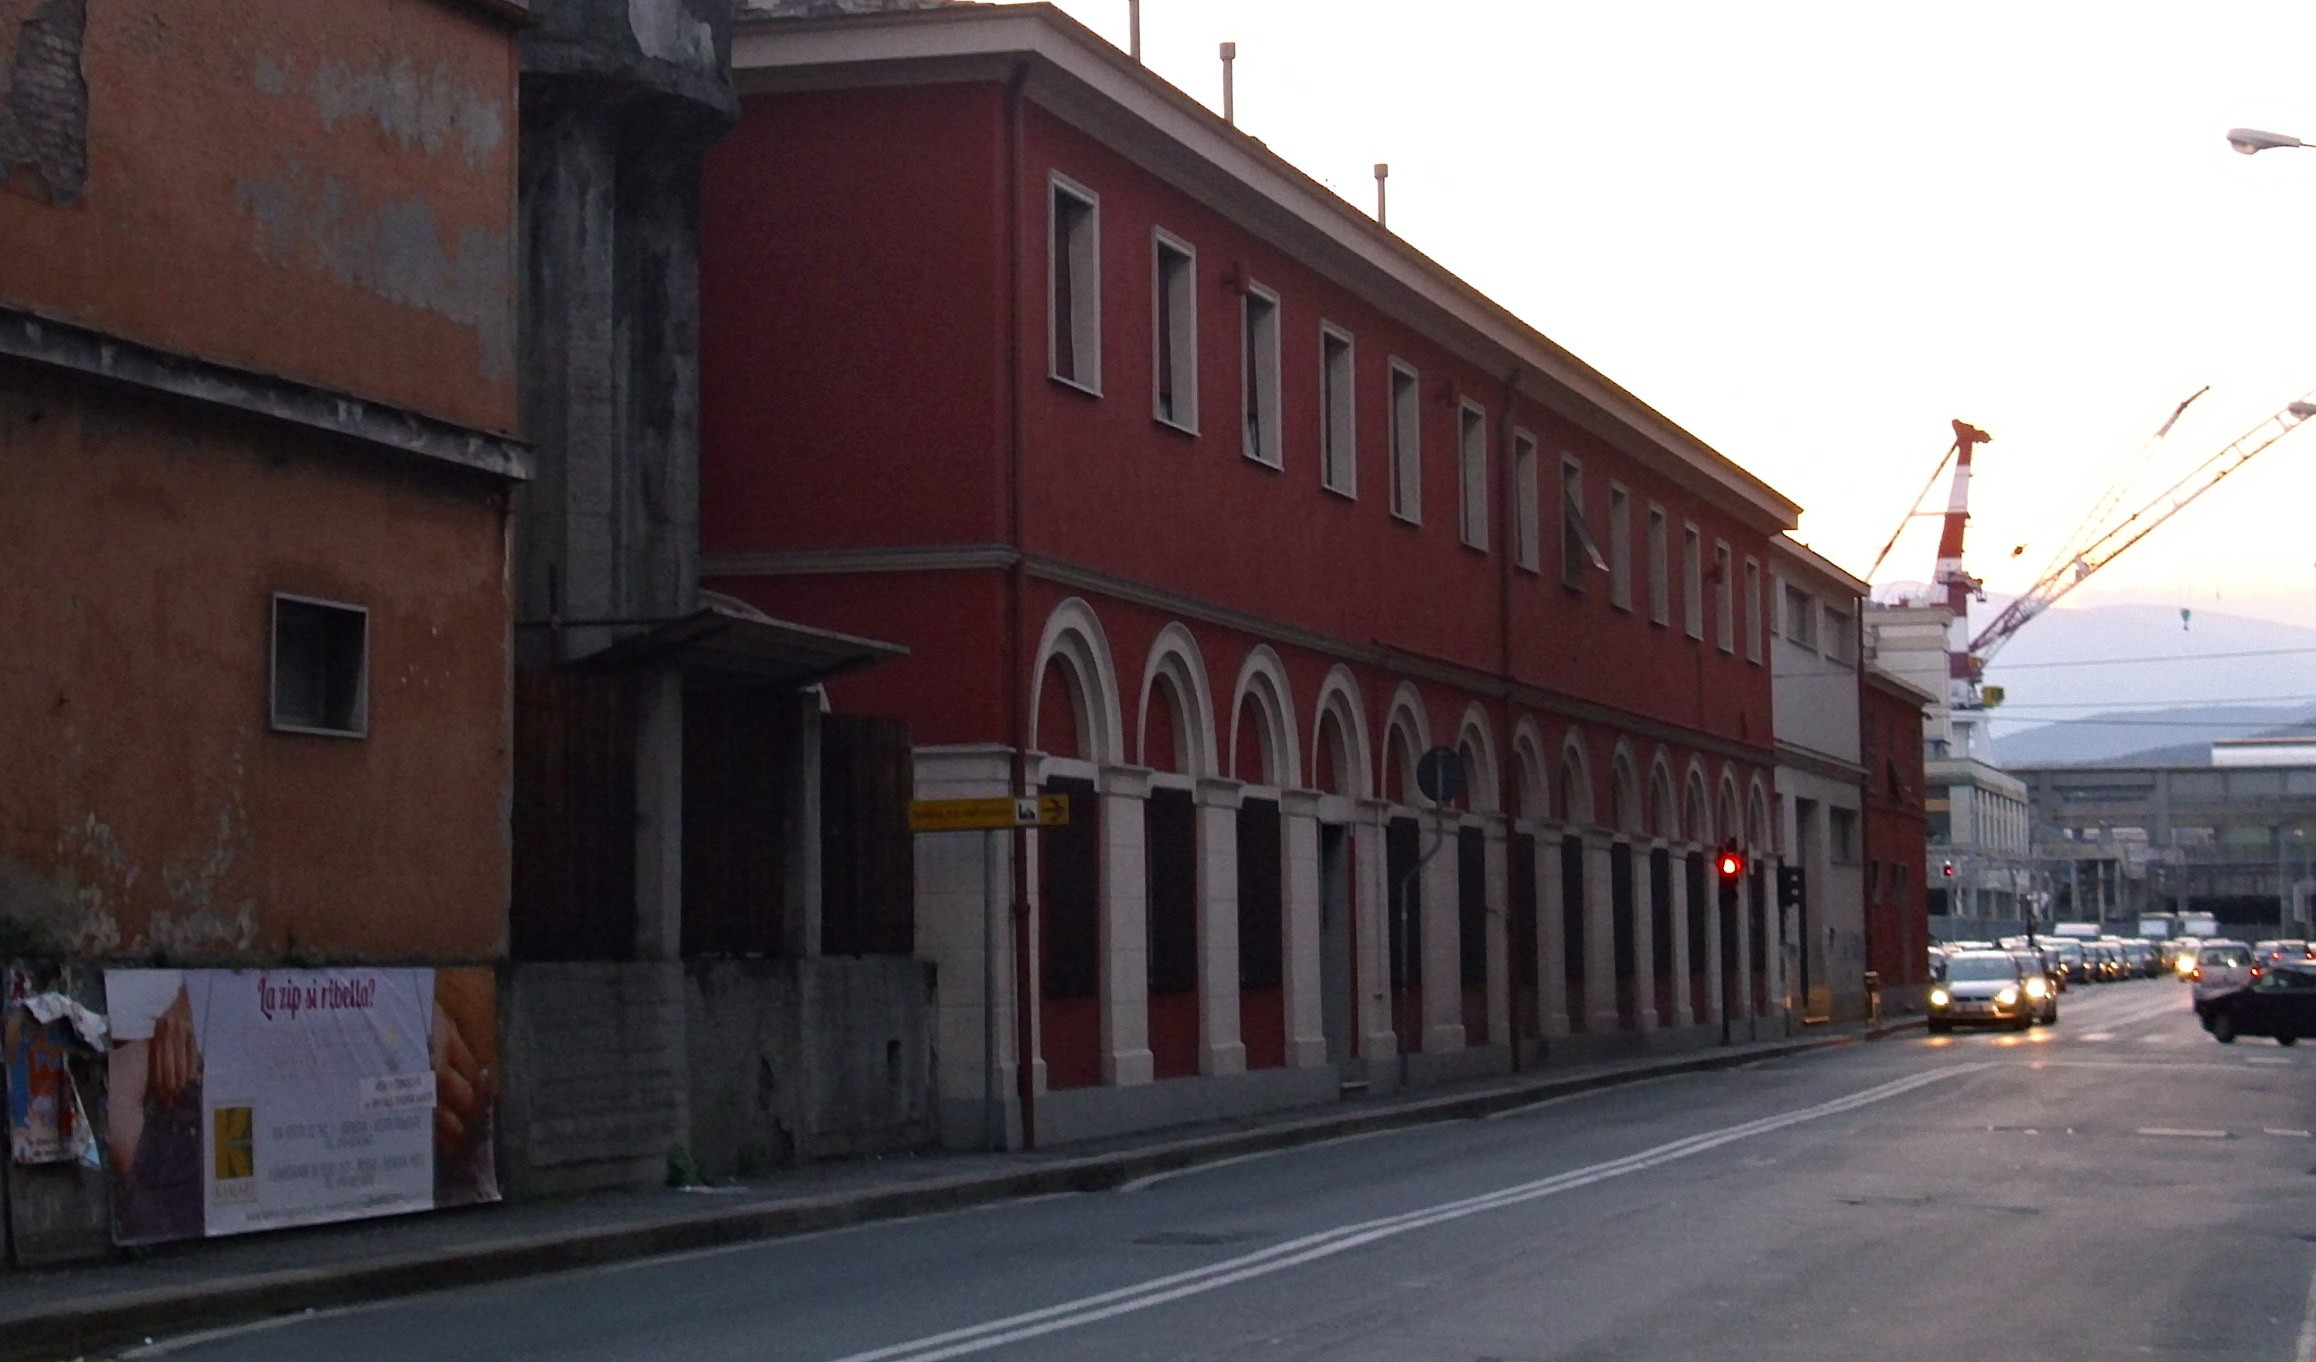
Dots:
{"x": 1229, "y": 104}
{"x": 1134, "y": 29}
{"x": 1382, "y": 173}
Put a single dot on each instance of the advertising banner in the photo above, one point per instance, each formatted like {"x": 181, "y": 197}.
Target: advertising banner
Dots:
{"x": 249, "y": 1100}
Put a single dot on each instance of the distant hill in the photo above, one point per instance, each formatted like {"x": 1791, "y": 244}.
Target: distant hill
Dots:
{"x": 2121, "y": 683}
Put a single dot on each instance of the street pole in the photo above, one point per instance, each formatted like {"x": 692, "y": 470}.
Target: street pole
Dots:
{"x": 992, "y": 1106}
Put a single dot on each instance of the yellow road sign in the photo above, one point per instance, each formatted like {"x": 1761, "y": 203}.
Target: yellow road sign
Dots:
{"x": 977, "y": 815}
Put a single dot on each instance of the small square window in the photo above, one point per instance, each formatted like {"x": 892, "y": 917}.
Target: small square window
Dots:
{"x": 1472, "y": 456}
{"x": 1259, "y": 394}
{"x": 320, "y": 667}
{"x": 1338, "y": 461}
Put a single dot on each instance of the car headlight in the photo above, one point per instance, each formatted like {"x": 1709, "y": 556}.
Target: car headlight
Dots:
{"x": 1940, "y": 997}
{"x": 2037, "y": 988}
{"x": 2007, "y": 997}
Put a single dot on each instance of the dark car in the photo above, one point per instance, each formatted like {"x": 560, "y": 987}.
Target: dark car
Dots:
{"x": 2279, "y": 1002}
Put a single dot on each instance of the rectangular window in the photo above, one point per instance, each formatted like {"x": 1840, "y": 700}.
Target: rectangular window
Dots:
{"x": 1406, "y": 445}
{"x": 1259, "y": 384}
{"x": 1074, "y": 311}
{"x": 320, "y": 667}
{"x": 1841, "y": 636}
{"x": 1692, "y": 582}
{"x": 1800, "y": 617}
{"x": 1842, "y": 835}
{"x": 1472, "y": 474}
{"x": 1577, "y": 549}
{"x": 1527, "y": 551}
{"x": 1753, "y": 611}
{"x": 1174, "y": 295}
{"x": 1725, "y": 597}
{"x": 1660, "y": 570}
{"x": 1619, "y": 547}
{"x": 1338, "y": 461}
{"x": 1776, "y": 584}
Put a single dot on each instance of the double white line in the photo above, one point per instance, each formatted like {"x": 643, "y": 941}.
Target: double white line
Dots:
{"x": 1343, "y": 1238}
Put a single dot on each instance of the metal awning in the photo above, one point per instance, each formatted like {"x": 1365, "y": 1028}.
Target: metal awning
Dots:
{"x": 724, "y": 644}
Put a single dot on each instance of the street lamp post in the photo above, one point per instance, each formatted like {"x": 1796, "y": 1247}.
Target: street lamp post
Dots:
{"x": 2252, "y": 141}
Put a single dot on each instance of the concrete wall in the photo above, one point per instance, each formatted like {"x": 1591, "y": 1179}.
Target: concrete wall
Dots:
{"x": 324, "y": 191}
{"x": 597, "y": 1086}
{"x": 794, "y": 1060}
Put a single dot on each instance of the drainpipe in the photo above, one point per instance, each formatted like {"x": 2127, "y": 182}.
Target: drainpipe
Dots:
{"x": 1016, "y": 611}
{"x": 1508, "y": 491}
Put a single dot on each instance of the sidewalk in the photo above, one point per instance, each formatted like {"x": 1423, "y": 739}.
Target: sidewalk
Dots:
{"x": 47, "y": 1315}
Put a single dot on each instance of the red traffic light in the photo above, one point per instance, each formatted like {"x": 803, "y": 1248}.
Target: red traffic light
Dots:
{"x": 1729, "y": 864}
{"x": 1947, "y": 870}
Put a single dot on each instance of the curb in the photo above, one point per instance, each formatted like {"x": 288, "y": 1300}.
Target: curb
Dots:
{"x": 124, "y": 1318}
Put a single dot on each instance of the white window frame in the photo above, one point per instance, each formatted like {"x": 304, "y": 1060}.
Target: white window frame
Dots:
{"x": 1693, "y": 578}
{"x": 1800, "y": 610}
{"x": 1774, "y": 606}
{"x": 359, "y": 727}
{"x": 1753, "y": 610}
{"x": 1619, "y": 546}
{"x": 1403, "y": 408}
{"x": 1660, "y": 567}
{"x": 1338, "y": 412}
{"x": 1472, "y": 474}
{"x": 1085, "y": 256}
{"x": 1174, "y": 300}
{"x": 1578, "y": 549}
{"x": 1527, "y": 529}
{"x": 1725, "y": 597}
{"x": 1260, "y": 437}
{"x": 1841, "y": 635}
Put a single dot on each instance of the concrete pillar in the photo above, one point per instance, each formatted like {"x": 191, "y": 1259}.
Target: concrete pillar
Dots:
{"x": 1306, "y": 1029}
{"x": 1716, "y": 980}
{"x": 1599, "y": 937}
{"x": 659, "y": 816}
{"x": 1499, "y": 881}
{"x": 952, "y": 877}
{"x": 1377, "y": 1043}
{"x": 1441, "y": 968}
{"x": 1740, "y": 1007}
{"x": 1551, "y": 965}
{"x": 800, "y": 918}
{"x": 1684, "y": 950}
{"x": 1644, "y": 940}
{"x": 1125, "y": 928}
{"x": 1221, "y": 1051}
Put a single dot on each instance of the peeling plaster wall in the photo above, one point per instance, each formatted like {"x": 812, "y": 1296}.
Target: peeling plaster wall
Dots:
{"x": 321, "y": 191}
{"x": 149, "y": 806}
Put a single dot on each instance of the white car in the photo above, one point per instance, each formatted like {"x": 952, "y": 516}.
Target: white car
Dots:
{"x": 1989, "y": 988}
{"x": 2220, "y": 965}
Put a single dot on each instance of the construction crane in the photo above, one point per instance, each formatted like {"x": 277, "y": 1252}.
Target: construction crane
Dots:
{"x": 2104, "y": 549}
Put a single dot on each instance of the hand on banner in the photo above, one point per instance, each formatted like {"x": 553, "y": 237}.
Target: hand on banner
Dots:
{"x": 175, "y": 1060}
{"x": 463, "y": 1081}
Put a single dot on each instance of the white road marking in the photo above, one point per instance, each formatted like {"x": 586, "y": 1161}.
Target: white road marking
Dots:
{"x": 2183, "y": 1134}
{"x": 2290, "y": 1134}
{"x": 2267, "y": 1061}
{"x": 1309, "y": 1248}
{"x": 2098, "y": 1035}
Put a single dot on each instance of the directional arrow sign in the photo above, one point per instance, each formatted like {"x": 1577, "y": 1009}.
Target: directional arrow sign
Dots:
{"x": 977, "y": 815}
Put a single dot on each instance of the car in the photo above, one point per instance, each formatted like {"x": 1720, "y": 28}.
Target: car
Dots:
{"x": 2280, "y": 952}
{"x": 2066, "y": 957}
{"x": 2281, "y": 1003}
{"x": 2183, "y": 956}
{"x": 2042, "y": 986}
{"x": 2220, "y": 965}
{"x": 1984, "y": 987}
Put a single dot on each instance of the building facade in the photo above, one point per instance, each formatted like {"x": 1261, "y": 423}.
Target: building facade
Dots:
{"x": 1201, "y": 499}
{"x": 1818, "y": 661}
{"x": 1897, "y": 904}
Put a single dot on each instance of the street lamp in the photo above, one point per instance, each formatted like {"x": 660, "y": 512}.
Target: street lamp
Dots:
{"x": 2251, "y": 141}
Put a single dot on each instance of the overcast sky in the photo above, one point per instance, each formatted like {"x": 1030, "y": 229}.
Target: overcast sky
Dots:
{"x": 1812, "y": 233}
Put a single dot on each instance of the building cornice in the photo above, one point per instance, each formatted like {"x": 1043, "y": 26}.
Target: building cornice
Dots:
{"x": 73, "y": 349}
{"x": 1373, "y": 653}
{"x": 1076, "y": 75}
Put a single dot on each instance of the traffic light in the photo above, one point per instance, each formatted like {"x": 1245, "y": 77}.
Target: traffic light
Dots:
{"x": 1947, "y": 870}
{"x": 1790, "y": 887}
{"x": 1729, "y": 865}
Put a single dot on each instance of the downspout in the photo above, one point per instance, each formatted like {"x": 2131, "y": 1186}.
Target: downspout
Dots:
{"x": 1016, "y": 612}
{"x": 1508, "y": 491}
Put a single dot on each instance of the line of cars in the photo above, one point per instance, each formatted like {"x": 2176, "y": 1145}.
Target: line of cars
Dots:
{"x": 2016, "y": 981}
{"x": 2267, "y": 988}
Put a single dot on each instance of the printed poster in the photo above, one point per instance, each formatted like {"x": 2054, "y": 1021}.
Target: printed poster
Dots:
{"x": 44, "y": 1123}
{"x": 253, "y": 1100}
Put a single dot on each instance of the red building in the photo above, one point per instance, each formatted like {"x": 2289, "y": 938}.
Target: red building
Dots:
{"x": 1897, "y": 831}
{"x": 1200, "y": 497}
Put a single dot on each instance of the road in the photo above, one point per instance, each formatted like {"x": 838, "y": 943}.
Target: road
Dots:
{"x": 2117, "y": 1186}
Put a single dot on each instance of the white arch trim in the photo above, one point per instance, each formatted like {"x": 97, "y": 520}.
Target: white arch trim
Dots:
{"x": 1406, "y": 716}
{"x": 1073, "y": 634}
{"x": 1262, "y": 682}
{"x": 1574, "y": 757}
{"x": 1484, "y": 781}
{"x": 1339, "y": 696}
{"x": 1174, "y": 654}
{"x": 1528, "y": 759}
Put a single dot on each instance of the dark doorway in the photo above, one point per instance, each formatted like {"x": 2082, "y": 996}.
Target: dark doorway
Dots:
{"x": 1069, "y": 951}
{"x": 1701, "y": 966}
{"x": 1623, "y": 923}
{"x": 1262, "y": 1004}
{"x": 1170, "y": 831}
{"x": 1572, "y": 931}
{"x": 1338, "y": 987}
{"x": 1661, "y": 932}
{"x": 1472, "y": 930}
{"x": 1402, "y": 844}
{"x": 1526, "y": 1020}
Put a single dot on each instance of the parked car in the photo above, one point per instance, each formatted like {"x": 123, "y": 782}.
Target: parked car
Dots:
{"x": 2281, "y": 952}
{"x": 2067, "y": 955}
{"x": 1987, "y": 987}
{"x": 2042, "y": 986}
{"x": 2281, "y": 1003}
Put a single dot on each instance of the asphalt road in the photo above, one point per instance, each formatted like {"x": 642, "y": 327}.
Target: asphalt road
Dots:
{"x": 2117, "y": 1186}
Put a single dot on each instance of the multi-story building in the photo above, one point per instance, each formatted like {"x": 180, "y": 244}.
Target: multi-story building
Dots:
{"x": 1818, "y": 663}
{"x": 1202, "y": 499}
{"x": 1897, "y": 829}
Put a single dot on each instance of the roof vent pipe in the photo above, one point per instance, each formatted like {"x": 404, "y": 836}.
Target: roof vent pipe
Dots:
{"x": 1134, "y": 29}
{"x": 1229, "y": 105}
{"x": 1382, "y": 173}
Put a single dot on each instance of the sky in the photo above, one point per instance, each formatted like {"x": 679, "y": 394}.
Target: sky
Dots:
{"x": 1812, "y": 233}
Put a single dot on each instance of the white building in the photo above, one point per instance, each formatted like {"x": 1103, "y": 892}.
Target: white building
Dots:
{"x": 1817, "y": 656}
